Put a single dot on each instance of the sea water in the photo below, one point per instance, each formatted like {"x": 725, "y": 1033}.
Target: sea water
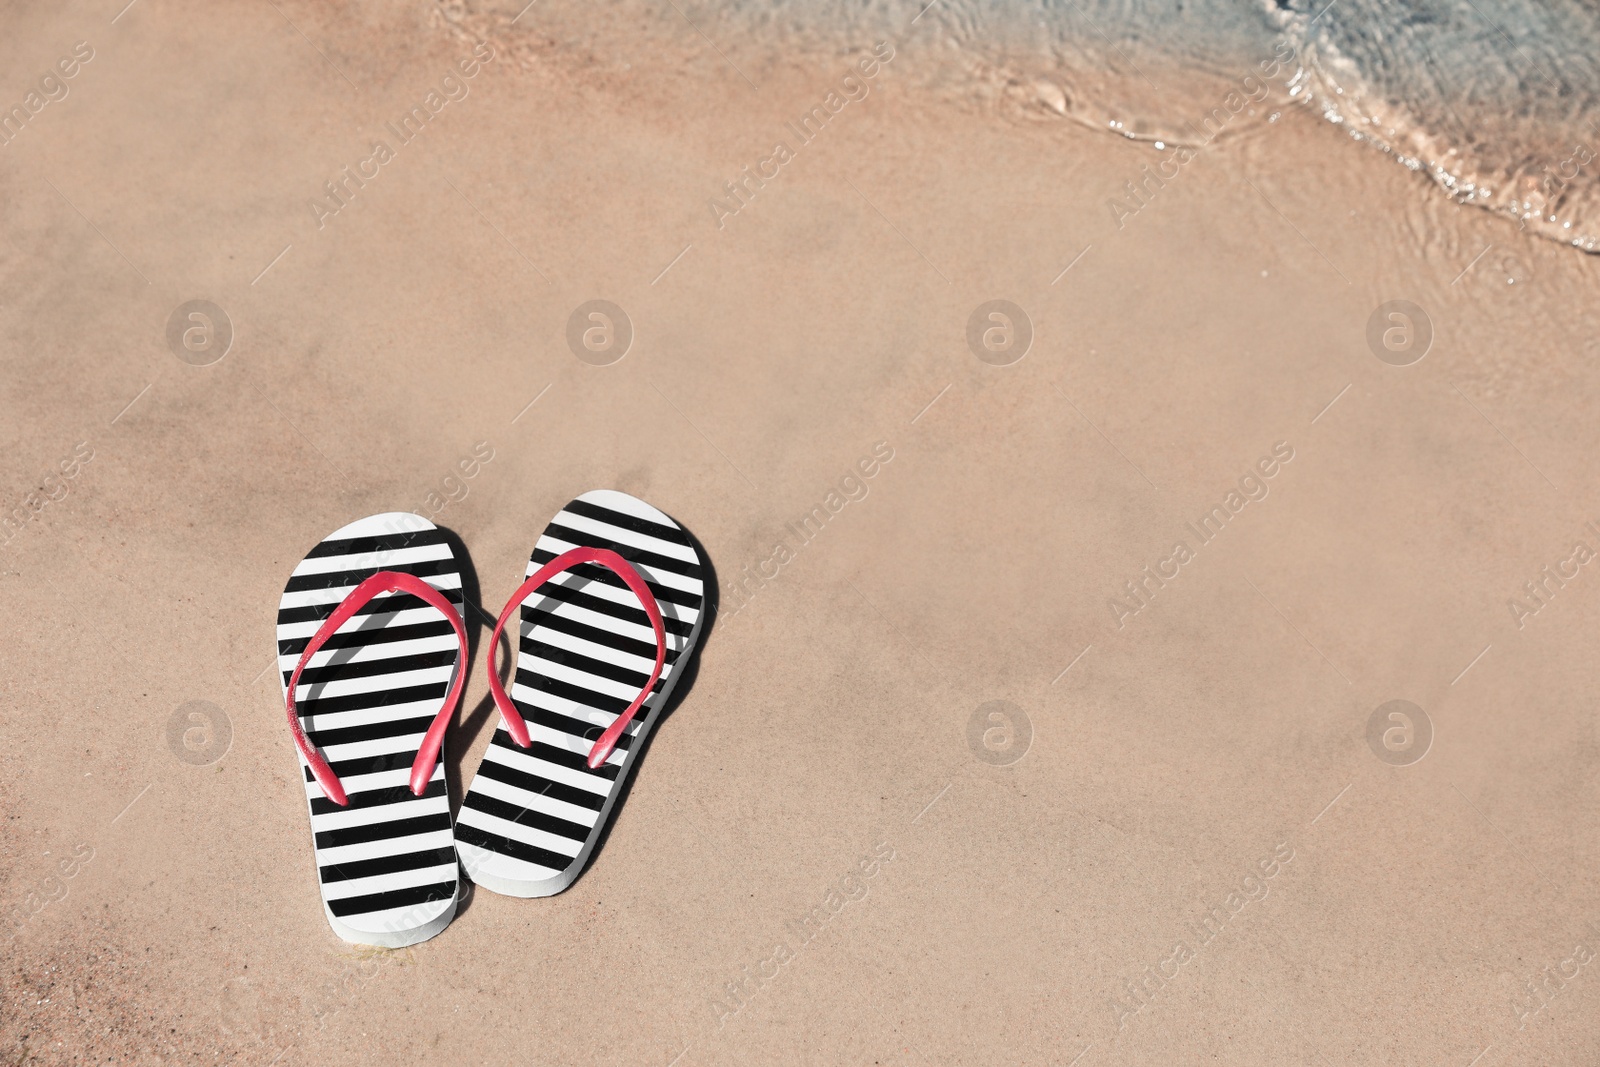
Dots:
{"x": 1496, "y": 101}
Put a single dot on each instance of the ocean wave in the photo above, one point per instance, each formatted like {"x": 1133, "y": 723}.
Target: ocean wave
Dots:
{"x": 1497, "y": 101}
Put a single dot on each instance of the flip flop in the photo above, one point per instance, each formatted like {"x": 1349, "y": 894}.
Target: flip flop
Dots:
{"x": 611, "y": 610}
{"x": 372, "y": 654}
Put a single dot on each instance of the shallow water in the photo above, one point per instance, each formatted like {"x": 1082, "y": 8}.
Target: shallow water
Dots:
{"x": 1495, "y": 100}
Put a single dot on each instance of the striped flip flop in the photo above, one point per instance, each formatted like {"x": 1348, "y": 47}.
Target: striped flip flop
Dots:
{"x": 611, "y": 610}
{"x": 372, "y": 653}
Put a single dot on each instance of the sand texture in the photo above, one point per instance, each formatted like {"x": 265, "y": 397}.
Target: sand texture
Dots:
{"x": 1180, "y": 841}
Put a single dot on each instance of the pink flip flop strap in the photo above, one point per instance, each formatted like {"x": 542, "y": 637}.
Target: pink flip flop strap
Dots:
{"x": 428, "y": 755}
{"x": 564, "y": 562}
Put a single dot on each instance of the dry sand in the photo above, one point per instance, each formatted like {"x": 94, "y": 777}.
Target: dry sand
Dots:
{"x": 1169, "y": 761}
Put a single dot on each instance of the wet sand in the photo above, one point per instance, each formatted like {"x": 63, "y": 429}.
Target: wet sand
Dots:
{"x": 1187, "y": 759}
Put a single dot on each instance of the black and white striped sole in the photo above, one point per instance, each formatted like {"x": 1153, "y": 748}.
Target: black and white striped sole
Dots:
{"x": 532, "y": 815}
{"x": 385, "y": 863}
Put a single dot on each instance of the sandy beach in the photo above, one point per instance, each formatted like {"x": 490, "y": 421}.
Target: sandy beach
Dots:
{"x": 1046, "y": 717}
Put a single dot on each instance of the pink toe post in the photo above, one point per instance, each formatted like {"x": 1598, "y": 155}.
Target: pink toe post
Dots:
{"x": 428, "y": 755}
{"x": 564, "y": 562}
